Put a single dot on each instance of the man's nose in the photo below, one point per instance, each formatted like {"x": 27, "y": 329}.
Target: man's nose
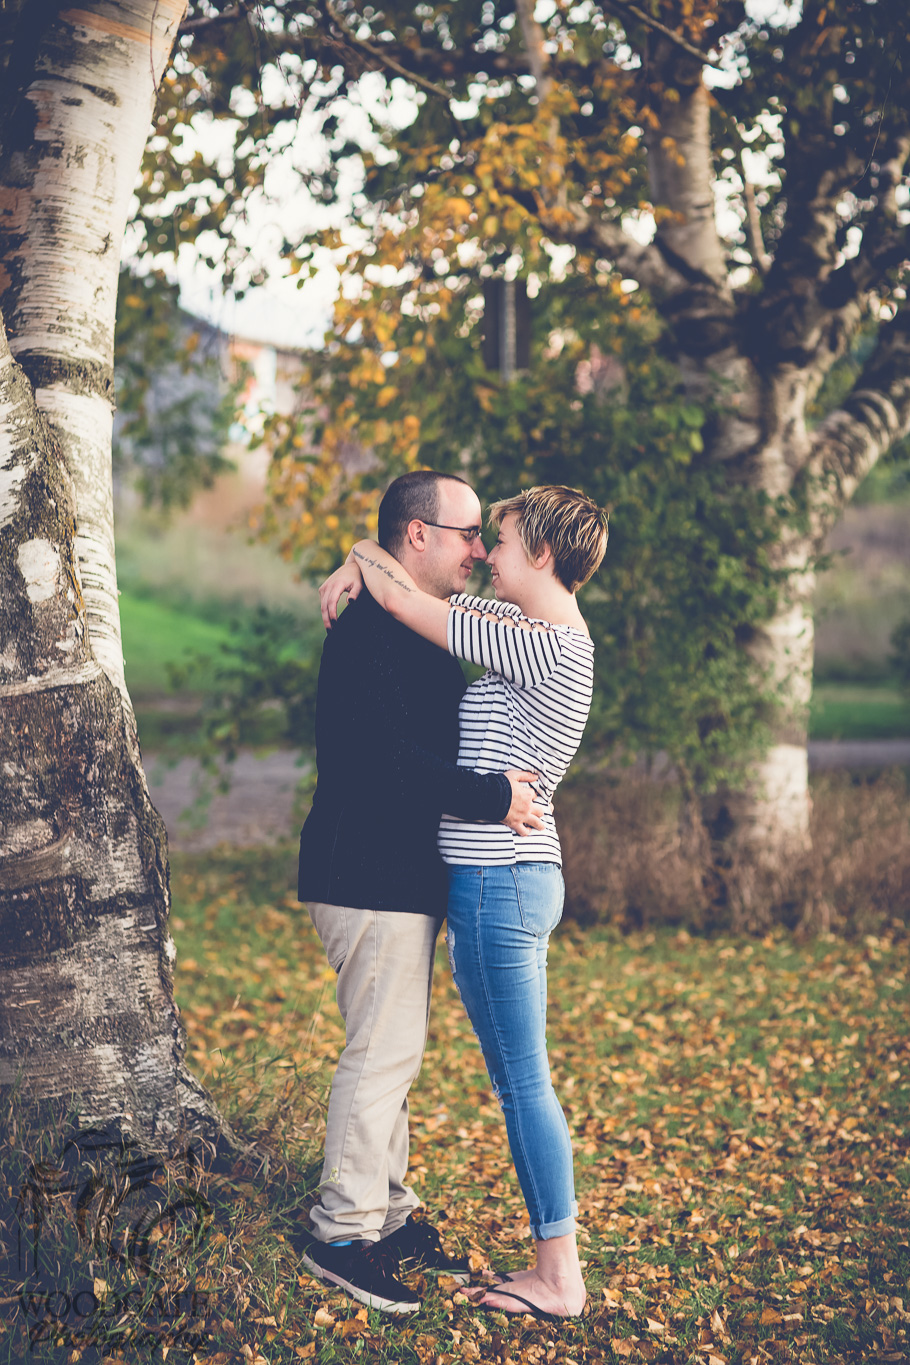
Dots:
{"x": 477, "y": 549}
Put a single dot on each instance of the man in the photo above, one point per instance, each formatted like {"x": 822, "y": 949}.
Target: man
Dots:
{"x": 386, "y": 742}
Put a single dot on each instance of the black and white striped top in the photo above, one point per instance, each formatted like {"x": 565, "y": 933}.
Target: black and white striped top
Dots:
{"x": 528, "y": 711}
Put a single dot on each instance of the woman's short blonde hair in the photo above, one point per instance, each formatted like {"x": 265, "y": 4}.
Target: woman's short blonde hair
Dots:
{"x": 573, "y": 526}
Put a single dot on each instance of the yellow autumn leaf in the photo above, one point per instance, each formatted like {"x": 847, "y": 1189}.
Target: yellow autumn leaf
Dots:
{"x": 352, "y": 1327}
{"x": 457, "y": 207}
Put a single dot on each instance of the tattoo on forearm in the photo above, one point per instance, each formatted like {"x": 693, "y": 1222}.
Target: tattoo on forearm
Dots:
{"x": 381, "y": 568}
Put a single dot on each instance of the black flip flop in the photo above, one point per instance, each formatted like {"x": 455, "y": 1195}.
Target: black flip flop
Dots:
{"x": 539, "y": 1313}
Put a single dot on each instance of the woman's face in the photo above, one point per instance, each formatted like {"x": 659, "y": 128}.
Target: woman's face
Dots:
{"x": 512, "y": 571}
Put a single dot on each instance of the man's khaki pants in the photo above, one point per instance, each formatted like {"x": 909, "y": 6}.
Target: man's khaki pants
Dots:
{"x": 384, "y": 962}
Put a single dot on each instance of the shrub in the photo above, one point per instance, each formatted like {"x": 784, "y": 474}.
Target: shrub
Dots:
{"x": 630, "y": 859}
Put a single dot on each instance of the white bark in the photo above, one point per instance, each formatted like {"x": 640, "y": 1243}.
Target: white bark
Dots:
{"x": 532, "y": 37}
{"x": 681, "y": 175}
{"x": 87, "y": 1010}
{"x": 772, "y": 810}
{"x": 63, "y": 210}
{"x": 83, "y": 424}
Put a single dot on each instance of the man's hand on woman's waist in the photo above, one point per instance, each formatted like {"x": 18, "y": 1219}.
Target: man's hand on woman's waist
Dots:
{"x": 521, "y": 817}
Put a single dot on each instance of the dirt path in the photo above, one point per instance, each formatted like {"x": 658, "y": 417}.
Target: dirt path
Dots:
{"x": 258, "y": 809}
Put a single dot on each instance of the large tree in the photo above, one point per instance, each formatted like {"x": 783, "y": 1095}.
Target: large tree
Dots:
{"x": 633, "y": 133}
{"x": 87, "y": 1012}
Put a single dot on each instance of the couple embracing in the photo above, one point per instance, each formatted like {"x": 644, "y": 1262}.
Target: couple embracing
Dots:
{"x": 434, "y": 801}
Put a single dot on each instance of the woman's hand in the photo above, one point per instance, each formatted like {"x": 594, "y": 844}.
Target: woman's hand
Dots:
{"x": 348, "y": 579}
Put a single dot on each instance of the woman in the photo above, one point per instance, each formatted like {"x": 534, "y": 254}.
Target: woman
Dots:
{"x": 506, "y": 892}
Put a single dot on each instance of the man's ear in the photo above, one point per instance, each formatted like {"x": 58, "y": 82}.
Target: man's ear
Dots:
{"x": 417, "y": 535}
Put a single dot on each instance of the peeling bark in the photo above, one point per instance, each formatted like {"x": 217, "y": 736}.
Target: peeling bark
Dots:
{"x": 87, "y": 1012}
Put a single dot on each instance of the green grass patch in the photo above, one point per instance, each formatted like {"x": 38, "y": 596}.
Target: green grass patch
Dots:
{"x": 208, "y": 677}
{"x": 163, "y": 630}
{"x": 854, "y": 711}
{"x": 158, "y": 633}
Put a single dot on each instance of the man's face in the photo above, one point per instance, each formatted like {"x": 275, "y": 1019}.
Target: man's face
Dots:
{"x": 448, "y": 561}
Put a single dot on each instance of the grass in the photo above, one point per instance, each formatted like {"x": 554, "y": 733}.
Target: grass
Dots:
{"x": 158, "y": 633}
{"x": 185, "y": 578}
{"x": 177, "y": 669}
{"x": 739, "y": 1111}
{"x": 850, "y": 711}
{"x": 205, "y": 553}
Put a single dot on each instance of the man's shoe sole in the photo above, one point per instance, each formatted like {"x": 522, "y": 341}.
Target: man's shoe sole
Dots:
{"x": 361, "y": 1295}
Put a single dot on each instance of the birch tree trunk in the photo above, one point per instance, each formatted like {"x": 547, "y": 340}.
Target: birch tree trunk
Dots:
{"x": 87, "y": 1013}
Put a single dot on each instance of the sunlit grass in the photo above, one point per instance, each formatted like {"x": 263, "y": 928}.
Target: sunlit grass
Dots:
{"x": 157, "y": 634}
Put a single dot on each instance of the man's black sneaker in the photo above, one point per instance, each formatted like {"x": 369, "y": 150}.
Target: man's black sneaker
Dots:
{"x": 365, "y": 1270}
{"x": 419, "y": 1247}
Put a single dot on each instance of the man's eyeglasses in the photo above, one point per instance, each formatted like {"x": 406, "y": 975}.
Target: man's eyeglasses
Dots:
{"x": 469, "y": 533}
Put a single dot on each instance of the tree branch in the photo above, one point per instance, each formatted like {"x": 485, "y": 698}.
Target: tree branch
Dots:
{"x": 760, "y": 257}
{"x": 629, "y": 11}
{"x": 214, "y": 21}
{"x": 385, "y": 59}
{"x": 886, "y": 241}
{"x": 810, "y": 306}
{"x": 532, "y": 37}
{"x": 646, "y": 263}
{"x": 875, "y": 415}
{"x": 889, "y": 248}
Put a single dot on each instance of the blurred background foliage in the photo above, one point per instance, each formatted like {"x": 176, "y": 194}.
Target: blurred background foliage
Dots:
{"x": 445, "y": 194}
{"x": 176, "y": 393}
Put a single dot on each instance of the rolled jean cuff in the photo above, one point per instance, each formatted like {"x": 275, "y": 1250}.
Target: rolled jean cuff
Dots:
{"x": 547, "y": 1231}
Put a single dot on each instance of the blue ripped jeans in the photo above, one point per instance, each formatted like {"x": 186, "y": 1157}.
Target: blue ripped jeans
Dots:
{"x": 499, "y": 924}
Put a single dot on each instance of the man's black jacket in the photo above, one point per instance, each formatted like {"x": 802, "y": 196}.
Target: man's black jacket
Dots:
{"x": 386, "y": 745}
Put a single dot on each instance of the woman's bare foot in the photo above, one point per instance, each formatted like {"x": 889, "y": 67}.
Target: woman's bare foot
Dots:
{"x": 513, "y": 1276}
{"x": 562, "y": 1300}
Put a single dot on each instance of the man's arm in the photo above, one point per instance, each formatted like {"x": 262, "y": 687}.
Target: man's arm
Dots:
{"x": 507, "y": 798}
